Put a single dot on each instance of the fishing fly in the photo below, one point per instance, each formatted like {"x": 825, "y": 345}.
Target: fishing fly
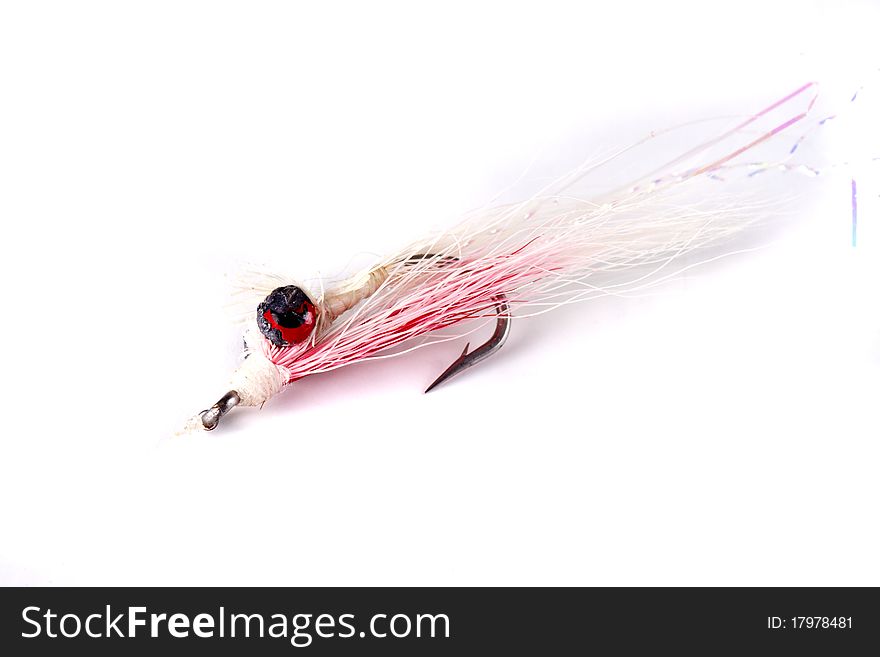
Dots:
{"x": 513, "y": 260}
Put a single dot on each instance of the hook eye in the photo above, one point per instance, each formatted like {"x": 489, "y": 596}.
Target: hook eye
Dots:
{"x": 211, "y": 417}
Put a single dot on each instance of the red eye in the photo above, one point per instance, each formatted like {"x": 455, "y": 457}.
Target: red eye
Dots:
{"x": 287, "y": 316}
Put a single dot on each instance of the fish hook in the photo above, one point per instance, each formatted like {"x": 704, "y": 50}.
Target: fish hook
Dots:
{"x": 211, "y": 417}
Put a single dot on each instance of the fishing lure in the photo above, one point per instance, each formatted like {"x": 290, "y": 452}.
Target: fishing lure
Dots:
{"x": 553, "y": 249}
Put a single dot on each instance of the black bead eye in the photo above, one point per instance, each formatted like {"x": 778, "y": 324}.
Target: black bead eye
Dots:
{"x": 287, "y": 316}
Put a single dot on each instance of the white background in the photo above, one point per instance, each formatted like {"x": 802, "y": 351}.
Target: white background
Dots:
{"x": 721, "y": 431}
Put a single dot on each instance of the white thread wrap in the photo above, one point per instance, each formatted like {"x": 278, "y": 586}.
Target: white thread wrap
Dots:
{"x": 345, "y": 298}
{"x": 257, "y": 379}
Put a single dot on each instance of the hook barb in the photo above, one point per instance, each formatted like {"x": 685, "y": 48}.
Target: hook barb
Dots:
{"x": 469, "y": 359}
